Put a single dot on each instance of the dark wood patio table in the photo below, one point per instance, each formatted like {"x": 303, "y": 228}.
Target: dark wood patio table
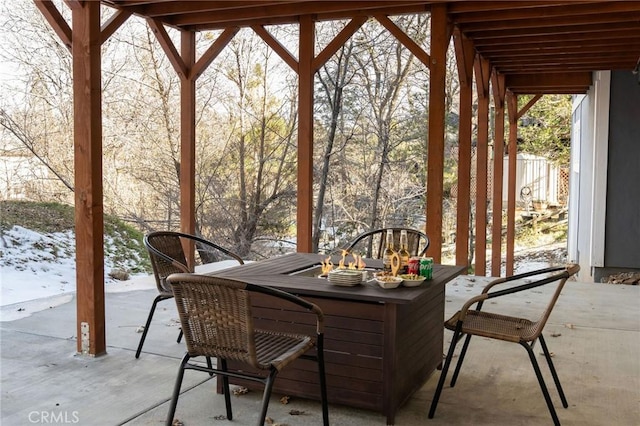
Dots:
{"x": 380, "y": 345}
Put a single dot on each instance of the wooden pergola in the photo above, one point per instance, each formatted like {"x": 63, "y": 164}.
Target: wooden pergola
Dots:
{"x": 512, "y": 48}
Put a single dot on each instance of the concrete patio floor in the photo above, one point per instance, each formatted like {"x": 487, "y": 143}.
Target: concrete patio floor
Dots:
{"x": 594, "y": 334}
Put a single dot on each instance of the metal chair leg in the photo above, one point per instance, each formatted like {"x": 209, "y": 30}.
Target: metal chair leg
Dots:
{"x": 323, "y": 380}
{"x": 547, "y": 355}
{"x": 176, "y": 391}
{"x": 271, "y": 378}
{"x": 148, "y": 323}
{"x": 226, "y": 389}
{"x": 463, "y": 352}
{"x": 543, "y": 386}
{"x": 443, "y": 374}
{"x": 179, "y": 337}
{"x": 210, "y": 366}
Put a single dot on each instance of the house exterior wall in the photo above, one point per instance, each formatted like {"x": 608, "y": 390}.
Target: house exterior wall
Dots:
{"x": 604, "y": 204}
{"x": 622, "y": 225}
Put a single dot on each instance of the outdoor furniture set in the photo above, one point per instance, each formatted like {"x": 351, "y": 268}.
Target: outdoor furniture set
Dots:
{"x": 361, "y": 346}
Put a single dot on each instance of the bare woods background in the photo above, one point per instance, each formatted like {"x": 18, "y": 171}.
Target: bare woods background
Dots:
{"x": 370, "y": 131}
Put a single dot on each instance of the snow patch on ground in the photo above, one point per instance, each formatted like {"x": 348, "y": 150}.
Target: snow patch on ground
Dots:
{"x": 38, "y": 271}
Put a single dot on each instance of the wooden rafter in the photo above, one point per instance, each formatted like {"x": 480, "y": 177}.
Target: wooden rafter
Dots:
{"x": 56, "y": 20}
{"x": 169, "y": 48}
{"x": 213, "y": 51}
{"x": 563, "y": 21}
{"x": 289, "y": 12}
{"x": 117, "y": 19}
{"x": 536, "y": 11}
{"x": 406, "y": 41}
{"x": 282, "y": 51}
{"x": 338, "y": 41}
{"x": 558, "y": 31}
{"x": 524, "y": 109}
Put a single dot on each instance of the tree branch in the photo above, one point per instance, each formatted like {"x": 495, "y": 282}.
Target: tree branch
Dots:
{"x": 9, "y": 124}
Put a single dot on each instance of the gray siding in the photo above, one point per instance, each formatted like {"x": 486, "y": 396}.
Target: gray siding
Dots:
{"x": 622, "y": 241}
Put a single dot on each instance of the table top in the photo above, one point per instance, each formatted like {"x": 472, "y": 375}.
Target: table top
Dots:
{"x": 277, "y": 272}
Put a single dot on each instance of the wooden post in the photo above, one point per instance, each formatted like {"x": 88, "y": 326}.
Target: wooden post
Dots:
{"x": 440, "y": 36}
{"x": 512, "y": 110}
{"x": 87, "y": 108}
{"x": 188, "y": 141}
{"x": 498, "y": 155}
{"x": 305, "y": 134}
{"x": 482, "y": 69}
{"x": 464, "y": 54}
{"x": 514, "y": 116}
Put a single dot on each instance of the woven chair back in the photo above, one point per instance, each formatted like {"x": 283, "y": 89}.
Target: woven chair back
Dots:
{"x": 171, "y": 246}
{"x": 371, "y": 244}
{"x": 216, "y": 318}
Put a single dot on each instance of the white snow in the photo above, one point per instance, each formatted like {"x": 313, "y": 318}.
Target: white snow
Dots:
{"x": 38, "y": 272}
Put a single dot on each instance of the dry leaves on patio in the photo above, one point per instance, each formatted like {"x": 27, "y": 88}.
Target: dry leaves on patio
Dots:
{"x": 271, "y": 422}
{"x": 240, "y": 390}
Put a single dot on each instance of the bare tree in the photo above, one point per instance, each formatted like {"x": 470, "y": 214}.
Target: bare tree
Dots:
{"x": 333, "y": 78}
{"x": 384, "y": 66}
{"x": 35, "y": 98}
{"x": 258, "y": 197}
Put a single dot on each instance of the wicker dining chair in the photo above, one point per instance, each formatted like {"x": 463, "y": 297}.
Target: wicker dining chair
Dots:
{"x": 166, "y": 251}
{"x": 217, "y": 321}
{"x": 371, "y": 244}
{"x": 475, "y": 322}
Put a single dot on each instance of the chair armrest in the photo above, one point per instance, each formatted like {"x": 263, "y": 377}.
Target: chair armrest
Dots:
{"x": 567, "y": 271}
{"x": 571, "y": 269}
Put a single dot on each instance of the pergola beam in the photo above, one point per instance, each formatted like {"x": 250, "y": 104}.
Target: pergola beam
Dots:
{"x": 558, "y": 32}
{"x": 516, "y": 11}
{"x": 558, "y": 20}
{"x": 290, "y": 12}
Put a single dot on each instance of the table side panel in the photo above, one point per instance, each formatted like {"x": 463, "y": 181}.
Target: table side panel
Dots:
{"x": 353, "y": 350}
{"x": 418, "y": 345}
{"x": 380, "y": 345}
